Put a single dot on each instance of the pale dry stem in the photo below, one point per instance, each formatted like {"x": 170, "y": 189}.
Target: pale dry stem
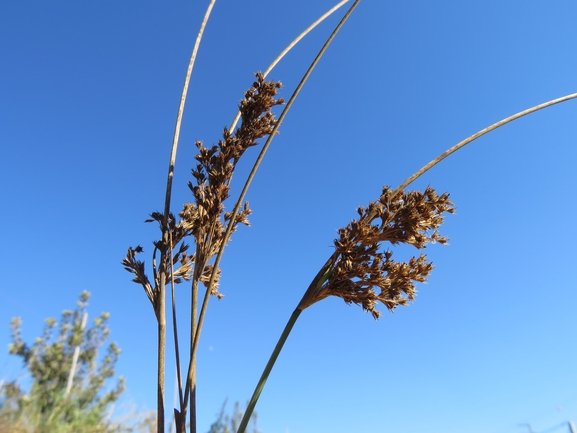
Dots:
{"x": 480, "y": 134}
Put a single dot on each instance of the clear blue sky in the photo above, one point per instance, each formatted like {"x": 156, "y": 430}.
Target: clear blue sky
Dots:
{"x": 89, "y": 92}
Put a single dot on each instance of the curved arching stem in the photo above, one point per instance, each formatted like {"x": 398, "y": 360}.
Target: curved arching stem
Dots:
{"x": 477, "y": 135}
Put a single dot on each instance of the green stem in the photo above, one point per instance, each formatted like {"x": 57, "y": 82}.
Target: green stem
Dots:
{"x": 267, "y": 370}
{"x": 161, "y": 316}
{"x": 309, "y": 298}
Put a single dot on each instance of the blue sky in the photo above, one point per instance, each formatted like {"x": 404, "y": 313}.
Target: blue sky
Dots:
{"x": 89, "y": 93}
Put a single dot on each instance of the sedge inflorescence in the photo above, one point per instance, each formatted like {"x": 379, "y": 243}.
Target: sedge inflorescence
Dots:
{"x": 360, "y": 272}
{"x": 204, "y": 218}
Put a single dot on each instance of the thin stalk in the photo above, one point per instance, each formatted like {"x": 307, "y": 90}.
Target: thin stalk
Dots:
{"x": 314, "y": 287}
{"x": 161, "y": 318}
{"x": 181, "y": 110}
{"x": 174, "y": 326}
{"x": 477, "y": 135}
{"x": 290, "y": 47}
{"x": 270, "y": 364}
{"x": 191, "y": 379}
{"x": 252, "y": 174}
{"x": 190, "y": 387}
{"x": 161, "y": 309}
{"x": 174, "y": 418}
{"x": 194, "y": 314}
{"x": 302, "y": 35}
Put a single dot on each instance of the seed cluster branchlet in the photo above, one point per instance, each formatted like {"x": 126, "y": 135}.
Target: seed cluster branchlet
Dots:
{"x": 205, "y": 219}
{"x": 359, "y": 266}
{"x": 213, "y": 173}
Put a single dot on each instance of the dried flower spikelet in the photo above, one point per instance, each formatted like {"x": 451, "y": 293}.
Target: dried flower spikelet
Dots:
{"x": 136, "y": 267}
{"x": 205, "y": 218}
{"x": 360, "y": 272}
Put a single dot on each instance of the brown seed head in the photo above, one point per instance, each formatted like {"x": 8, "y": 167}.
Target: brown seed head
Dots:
{"x": 205, "y": 218}
{"x": 360, "y": 272}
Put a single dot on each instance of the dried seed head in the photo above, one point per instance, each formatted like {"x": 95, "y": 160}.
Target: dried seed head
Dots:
{"x": 360, "y": 272}
{"x": 205, "y": 218}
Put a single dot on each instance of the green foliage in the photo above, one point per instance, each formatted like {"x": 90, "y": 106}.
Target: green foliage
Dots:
{"x": 50, "y": 403}
{"x": 230, "y": 423}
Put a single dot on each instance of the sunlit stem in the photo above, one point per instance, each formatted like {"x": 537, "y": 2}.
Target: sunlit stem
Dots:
{"x": 161, "y": 313}
{"x": 477, "y": 135}
{"x": 270, "y": 364}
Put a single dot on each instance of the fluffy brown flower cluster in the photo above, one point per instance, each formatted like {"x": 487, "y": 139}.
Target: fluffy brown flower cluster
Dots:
{"x": 205, "y": 218}
{"x": 359, "y": 272}
{"x": 214, "y": 171}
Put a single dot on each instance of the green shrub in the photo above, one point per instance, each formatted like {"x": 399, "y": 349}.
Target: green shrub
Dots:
{"x": 66, "y": 393}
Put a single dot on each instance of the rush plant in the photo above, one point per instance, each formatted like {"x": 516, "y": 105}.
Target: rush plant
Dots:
{"x": 361, "y": 269}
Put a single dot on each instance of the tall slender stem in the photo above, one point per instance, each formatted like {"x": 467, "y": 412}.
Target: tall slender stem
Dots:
{"x": 181, "y": 110}
{"x": 270, "y": 364}
{"x": 191, "y": 381}
{"x": 174, "y": 325}
{"x": 306, "y": 301}
{"x": 161, "y": 318}
{"x": 480, "y": 134}
{"x": 161, "y": 311}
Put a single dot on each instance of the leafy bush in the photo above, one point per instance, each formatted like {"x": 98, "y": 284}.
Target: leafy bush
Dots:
{"x": 229, "y": 423}
{"x": 67, "y": 376}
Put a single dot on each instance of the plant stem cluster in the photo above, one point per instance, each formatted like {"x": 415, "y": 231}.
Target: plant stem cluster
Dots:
{"x": 205, "y": 219}
{"x": 207, "y": 222}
